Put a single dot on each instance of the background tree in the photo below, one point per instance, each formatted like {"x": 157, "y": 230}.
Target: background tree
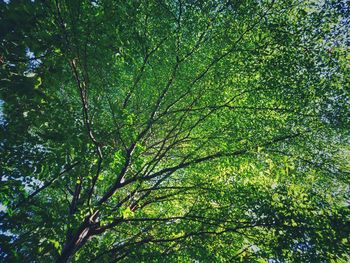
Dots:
{"x": 174, "y": 131}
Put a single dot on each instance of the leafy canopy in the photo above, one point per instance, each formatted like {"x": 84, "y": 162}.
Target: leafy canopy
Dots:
{"x": 174, "y": 131}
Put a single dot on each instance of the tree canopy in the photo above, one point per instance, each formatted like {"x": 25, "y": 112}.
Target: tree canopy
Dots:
{"x": 174, "y": 131}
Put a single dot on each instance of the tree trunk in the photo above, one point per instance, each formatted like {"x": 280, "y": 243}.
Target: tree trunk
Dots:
{"x": 82, "y": 235}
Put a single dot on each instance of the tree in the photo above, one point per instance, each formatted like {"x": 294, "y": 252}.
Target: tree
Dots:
{"x": 174, "y": 131}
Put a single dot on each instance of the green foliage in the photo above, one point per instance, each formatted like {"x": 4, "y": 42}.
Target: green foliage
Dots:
{"x": 174, "y": 131}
